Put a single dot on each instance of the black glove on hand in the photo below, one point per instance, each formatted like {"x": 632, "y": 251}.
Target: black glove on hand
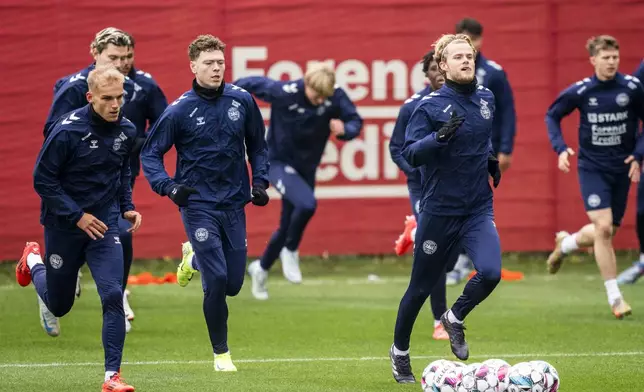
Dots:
{"x": 493, "y": 169}
{"x": 138, "y": 144}
{"x": 180, "y": 194}
{"x": 449, "y": 129}
{"x": 259, "y": 195}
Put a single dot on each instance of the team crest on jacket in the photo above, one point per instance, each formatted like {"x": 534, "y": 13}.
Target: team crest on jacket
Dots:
{"x": 485, "y": 111}
{"x": 233, "y": 113}
{"x": 201, "y": 234}
{"x": 118, "y": 141}
{"x": 622, "y": 99}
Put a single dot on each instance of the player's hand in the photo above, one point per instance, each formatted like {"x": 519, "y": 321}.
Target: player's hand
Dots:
{"x": 563, "y": 163}
{"x": 634, "y": 172}
{"x": 259, "y": 195}
{"x": 448, "y": 130}
{"x": 337, "y": 127}
{"x": 180, "y": 194}
{"x": 92, "y": 226}
{"x": 493, "y": 167}
{"x": 134, "y": 218}
{"x": 505, "y": 161}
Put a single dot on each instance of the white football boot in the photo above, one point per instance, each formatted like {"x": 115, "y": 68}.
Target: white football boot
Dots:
{"x": 291, "y": 265}
{"x": 258, "y": 279}
{"x": 48, "y": 321}
{"x": 129, "y": 313}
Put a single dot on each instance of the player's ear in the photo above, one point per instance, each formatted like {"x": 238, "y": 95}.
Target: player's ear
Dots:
{"x": 443, "y": 66}
{"x": 593, "y": 60}
{"x": 193, "y": 67}
{"x": 88, "y": 95}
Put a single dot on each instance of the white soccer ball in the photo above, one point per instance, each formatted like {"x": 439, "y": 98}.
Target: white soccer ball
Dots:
{"x": 496, "y": 363}
{"x": 550, "y": 374}
{"x": 442, "y": 376}
{"x": 525, "y": 377}
{"x": 468, "y": 376}
{"x": 433, "y": 370}
{"x": 500, "y": 369}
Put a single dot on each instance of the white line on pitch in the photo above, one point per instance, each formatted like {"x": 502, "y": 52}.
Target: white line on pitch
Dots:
{"x": 330, "y": 359}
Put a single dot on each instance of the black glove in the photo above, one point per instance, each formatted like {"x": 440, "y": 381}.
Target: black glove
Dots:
{"x": 493, "y": 169}
{"x": 260, "y": 197}
{"x": 138, "y": 144}
{"x": 179, "y": 194}
{"x": 448, "y": 130}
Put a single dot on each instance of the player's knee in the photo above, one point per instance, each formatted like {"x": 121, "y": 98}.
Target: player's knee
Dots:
{"x": 604, "y": 229}
{"x": 234, "y": 287}
{"x": 491, "y": 273}
{"x": 60, "y": 308}
{"x": 216, "y": 284}
{"x": 307, "y": 207}
{"x": 112, "y": 296}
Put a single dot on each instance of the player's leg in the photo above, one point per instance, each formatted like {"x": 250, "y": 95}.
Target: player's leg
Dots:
{"x": 105, "y": 261}
{"x": 606, "y": 260}
{"x": 54, "y": 278}
{"x": 438, "y": 298}
{"x": 435, "y": 236}
{"x": 596, "y": 194}
{"x": 258, "y": 269}
{"x": 633, "y": 273}
{"x": 128, "y": 255}
{"x": 438, "y": 304}
{"x": 406, "y": 239}
{"x": 480, "y": 239}
{"x": 235, "y": 250}
{"x": 299, "y": 191}
{"x": 205, "y": 231}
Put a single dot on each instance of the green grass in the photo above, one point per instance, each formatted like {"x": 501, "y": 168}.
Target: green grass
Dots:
{"x": 331, "y": 333}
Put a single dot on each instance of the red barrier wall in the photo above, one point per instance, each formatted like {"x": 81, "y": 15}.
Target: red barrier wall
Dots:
{"x": 374, "y": 45}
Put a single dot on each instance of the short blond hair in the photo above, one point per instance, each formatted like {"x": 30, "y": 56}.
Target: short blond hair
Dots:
{"x": 110, "y": 35}
{"x": 601, "y": 42}
{"x": 441, "y": 44}
{"x": 204, "y": 43}
{"x": 104, "y": 75}
{"x": 321, "y": 78}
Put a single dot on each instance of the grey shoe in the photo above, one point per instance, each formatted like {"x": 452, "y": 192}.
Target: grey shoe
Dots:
{"x": 401, "y": 367}
{"x": 457, "y": 341}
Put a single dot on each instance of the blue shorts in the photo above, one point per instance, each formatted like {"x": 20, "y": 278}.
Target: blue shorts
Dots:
{"x": 605, "y": 190}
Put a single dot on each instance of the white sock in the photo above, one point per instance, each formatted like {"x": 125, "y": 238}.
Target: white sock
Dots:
{"x": 437, "y": 323}
{"x": 452, "y": 319}
{"x": 569, "y": 244}
{"x": 413, "y": 234}
{"x": 462, "y": 263}
{"x": 33, "y": 259}
{"x": 399, "y": 352}
{"x": 612, "y": 290}
{"x": 641, "y": 258}
{"x": 109, "y": 374}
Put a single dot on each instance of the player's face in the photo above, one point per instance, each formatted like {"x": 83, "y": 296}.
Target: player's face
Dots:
{"x": 458, "y": 63}
{"x": 112, "y": 54}
{"x": 606, "y": 63}
{"x": 313, "y": 96}
{"x": 436, "y": 79}
{"x": 106, "y": 99}
{"x": 129, "y": 60}
{"x": 209, "y": 68}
